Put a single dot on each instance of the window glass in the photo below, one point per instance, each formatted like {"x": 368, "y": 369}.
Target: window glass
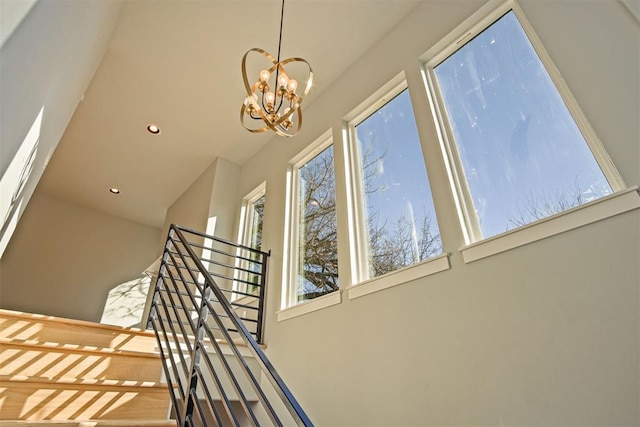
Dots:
{"x": 522, "y": 155}
{"x": 256, "y": 217}
{"x": 317, "y": 267}
{"x": 399, "y": 216}
{"x": 250, "y": 235}
{"x": 254, "y": 239}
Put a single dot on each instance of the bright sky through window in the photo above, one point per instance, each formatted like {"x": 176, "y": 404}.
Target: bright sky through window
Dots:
{"x": 400, "y": 219}
{"x": 524, "y": 157}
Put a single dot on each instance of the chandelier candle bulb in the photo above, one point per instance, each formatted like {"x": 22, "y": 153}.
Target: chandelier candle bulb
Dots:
{"x": 283, "y": 80}
{"x": 269, "y": 98}
{"x": 264, "y": 76}
{"x": 292, "y": 85}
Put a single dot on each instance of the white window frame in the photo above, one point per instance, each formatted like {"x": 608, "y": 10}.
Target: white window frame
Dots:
{"x": 244, "y": 232}
{"x": 362, "y": 284}
{"x": 290, "y": 306}
{"x": 247, "y": 213}
{"x": 470, "y": 28}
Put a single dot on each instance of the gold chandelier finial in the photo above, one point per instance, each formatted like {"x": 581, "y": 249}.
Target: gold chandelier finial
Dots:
{"x": 279, "y": 110}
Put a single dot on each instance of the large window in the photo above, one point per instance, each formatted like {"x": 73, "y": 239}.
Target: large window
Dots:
{"x": 394, "y": 207}
{"x": 519, "y": 149}
{"x": 314, "y": 269}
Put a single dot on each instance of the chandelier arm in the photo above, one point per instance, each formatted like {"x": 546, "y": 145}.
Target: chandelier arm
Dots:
{"x": 262, "y": 100}
{"x": 281, "y": 101}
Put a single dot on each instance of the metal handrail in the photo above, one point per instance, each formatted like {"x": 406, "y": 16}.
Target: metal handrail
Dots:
{"x": 198, "y": 328}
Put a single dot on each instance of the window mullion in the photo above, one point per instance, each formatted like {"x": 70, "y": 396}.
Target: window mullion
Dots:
{"x": 462, "y": 194}
{"x": 294, "y": 264}
{"x": 361, "y": 247}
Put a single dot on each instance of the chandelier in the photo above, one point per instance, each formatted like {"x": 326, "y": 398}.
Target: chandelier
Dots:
{"x": 273, "y": 102}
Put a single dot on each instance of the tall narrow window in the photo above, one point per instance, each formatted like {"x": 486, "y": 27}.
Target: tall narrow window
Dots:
{"x": 397, "y": 215}
{"x": 250, "y": 235}
{"x": 517, "y": 151}
{"x": 255, "y": 216}
{"x": 315, "y": 269}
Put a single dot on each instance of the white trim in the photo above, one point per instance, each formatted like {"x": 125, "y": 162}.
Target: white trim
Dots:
{"x": 244, "y": 235}
{"x": 313, "y": 149}
{"x": 310, "y": 306}
{"x": 377, "y": 100}
{"x": 401, "y": 276}
{"x": 597, "y": 210}
{"x": 353, "y": 210}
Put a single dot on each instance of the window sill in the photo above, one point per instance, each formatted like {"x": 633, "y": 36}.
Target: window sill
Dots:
{"x": 319, "y": 303}
{"x": 398, "y": 277}
{"x": 597, "y": 210}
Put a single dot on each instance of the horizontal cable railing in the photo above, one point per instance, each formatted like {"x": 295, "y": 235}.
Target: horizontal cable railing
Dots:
{"x": 207, "y": 313}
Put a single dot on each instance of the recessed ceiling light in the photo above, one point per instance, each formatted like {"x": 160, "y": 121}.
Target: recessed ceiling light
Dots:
{"x": 153, "y": 129}
{"x": 114, "y": 190}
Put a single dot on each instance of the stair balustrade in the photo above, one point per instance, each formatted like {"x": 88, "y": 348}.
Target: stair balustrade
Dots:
{"x": 207, "y": 314}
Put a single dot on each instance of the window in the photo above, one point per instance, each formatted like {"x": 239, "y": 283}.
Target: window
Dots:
{"x": 314, "y": 234}
{"x": 392, "y": 204}
{"x": 255, "y": 218}
{"x": 250, "y": 234}
{"x": 518, "y": 148}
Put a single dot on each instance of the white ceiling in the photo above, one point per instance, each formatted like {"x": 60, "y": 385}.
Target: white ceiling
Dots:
{"x": 176, "y": 63}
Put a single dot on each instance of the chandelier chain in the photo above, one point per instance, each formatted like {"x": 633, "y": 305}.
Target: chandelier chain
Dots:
{"x": 280, "y": 36}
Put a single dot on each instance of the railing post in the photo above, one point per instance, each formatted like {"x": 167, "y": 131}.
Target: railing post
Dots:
{"x": 156, "y": 290}
{"x": 198, "y": 348}
{"x": 261, "y": 297}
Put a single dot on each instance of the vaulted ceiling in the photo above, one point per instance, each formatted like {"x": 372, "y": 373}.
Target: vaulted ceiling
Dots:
{"x": 176, "y": 63}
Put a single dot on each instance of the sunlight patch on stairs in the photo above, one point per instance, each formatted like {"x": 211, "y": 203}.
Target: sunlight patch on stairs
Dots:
{"x": 79, "y": 373}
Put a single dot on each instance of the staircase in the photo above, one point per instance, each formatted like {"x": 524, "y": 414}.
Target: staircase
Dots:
{"x": 66, "y": 372}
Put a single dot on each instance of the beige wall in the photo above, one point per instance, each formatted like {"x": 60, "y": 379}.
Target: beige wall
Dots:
{"x": 46, "y": 63}
{"x": 214, "y": 194}
{"x": 544, "y": 334}
{"x": 64, "y": 258}
{"x": 225, "y": 200}
{"x": 191, "y": 209}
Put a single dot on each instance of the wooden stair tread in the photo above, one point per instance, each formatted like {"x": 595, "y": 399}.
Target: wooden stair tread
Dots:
{"x": 35, "y": 327}
{"x": 83, "y": 382}
{"x": 91, "y": 423}
{"x": 45, "y": 345}
{"x": 64, "y": 320}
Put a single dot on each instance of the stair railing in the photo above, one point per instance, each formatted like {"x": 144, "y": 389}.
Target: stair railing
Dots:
{"x": 207, "y": 291}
